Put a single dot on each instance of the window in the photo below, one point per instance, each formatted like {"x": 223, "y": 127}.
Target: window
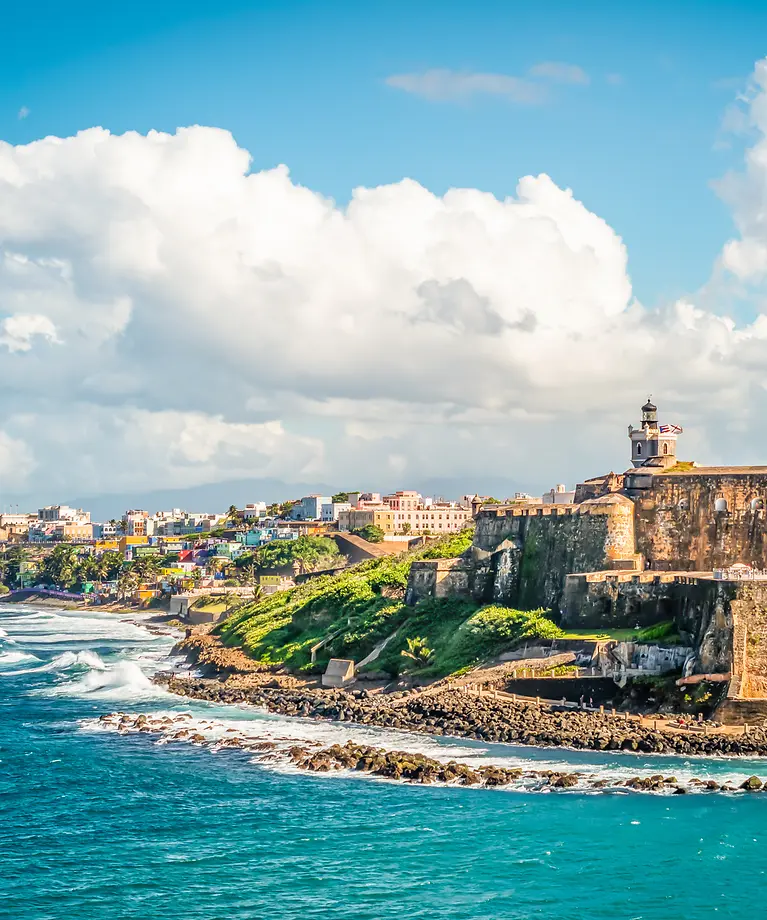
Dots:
{"x": 720, "y": 504}
{"x": 639, "y": 450}
{"x": 665, "y": 448}
{"x": 757, "y": 504}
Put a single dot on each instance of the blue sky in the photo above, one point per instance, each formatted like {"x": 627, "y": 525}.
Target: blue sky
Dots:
{"x": 304, "y": 84}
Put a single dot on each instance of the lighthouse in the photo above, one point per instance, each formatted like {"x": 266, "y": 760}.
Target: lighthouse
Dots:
{"x": 653, "y": 444}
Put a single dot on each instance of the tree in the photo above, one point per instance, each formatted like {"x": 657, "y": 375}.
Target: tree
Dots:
{"x": 340, "y": 497}
{"x": 61, "y": 567}
{"x": 418, "y": 651}
{"x": 233, "y": 516}
{"x": 407, "y": 527}
{"x": 370, "y": 532}
{"x": 310, "y": 553}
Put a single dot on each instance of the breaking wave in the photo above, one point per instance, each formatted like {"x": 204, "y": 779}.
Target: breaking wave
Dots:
{"x": 10, "y": 659}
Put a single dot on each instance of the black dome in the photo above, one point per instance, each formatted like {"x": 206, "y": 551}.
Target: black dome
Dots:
{"x": 649, "y": 407}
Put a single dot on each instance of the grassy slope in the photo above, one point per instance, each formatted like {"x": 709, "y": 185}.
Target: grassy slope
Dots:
{"x": 363, "y": 605}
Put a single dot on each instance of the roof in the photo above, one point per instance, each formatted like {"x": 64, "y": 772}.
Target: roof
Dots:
{"x": 716, "y": 471}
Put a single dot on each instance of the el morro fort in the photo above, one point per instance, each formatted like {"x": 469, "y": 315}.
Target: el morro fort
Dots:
{"x": 664, "y": 541}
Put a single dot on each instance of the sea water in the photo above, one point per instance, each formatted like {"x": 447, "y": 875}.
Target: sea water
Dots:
{"x": 98, "y": 825}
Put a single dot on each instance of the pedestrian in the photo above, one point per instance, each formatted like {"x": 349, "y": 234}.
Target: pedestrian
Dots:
{"x": 591, "y": 702}
{"x": 581, "y": 701}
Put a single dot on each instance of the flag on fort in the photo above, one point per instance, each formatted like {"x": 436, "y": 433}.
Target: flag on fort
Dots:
{"x": 670, "y": 429}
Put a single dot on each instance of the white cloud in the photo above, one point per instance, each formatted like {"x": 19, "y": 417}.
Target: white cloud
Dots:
{"x": 559, "y": 72}
{"x": 443, "y": 85}
{"x": 440, "y": 85}
{"x": 218, "y": 324}
{"x": 22, "y": 113}
{"x": 18, "y": 331}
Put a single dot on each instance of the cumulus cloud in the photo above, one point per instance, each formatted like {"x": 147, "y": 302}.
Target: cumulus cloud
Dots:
{"x": 172, "y": 318}
{"x": 17, "y": 332}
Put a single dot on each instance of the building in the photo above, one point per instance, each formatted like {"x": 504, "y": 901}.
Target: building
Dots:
{"x": 54, "y": 513}
{"x": 331, "y": 511}
{"x": 652, "y": 443}
{"x": 437, "y": 518}
{"x": 559, "y": 495}
{"x": 137, "y": 524}
{"x": 254, "y": 511}
{"x": 309, "y": 508}
{"x": 404, "y": 501}
{"x": 360, "y": 499}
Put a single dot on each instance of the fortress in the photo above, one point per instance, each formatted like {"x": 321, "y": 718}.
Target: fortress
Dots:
{"x": 665, "y": 540}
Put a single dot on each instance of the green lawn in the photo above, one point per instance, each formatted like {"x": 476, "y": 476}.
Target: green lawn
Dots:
{"x": 618, "y": 635}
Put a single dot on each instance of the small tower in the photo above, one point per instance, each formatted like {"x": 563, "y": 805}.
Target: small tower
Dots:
{"x": 653, "y": 444}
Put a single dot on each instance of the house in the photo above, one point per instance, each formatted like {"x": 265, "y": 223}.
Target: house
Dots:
{"x": 331, "y": 511}
{"x": 309, "y": 508}
{"x": 254, "y": 511}
{"x": 559, "y": 495}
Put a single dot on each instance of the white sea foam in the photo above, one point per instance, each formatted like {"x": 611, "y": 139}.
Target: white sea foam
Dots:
{"x": 10, "y": 659}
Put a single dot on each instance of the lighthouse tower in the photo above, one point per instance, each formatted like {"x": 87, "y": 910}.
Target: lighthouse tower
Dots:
{"x": 653, "y": 444}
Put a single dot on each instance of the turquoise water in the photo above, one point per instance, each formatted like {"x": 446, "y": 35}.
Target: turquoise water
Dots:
{"x": 97, "y": 825}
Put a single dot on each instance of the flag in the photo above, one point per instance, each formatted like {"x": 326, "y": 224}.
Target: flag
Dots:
{"x": 670, "y": 429}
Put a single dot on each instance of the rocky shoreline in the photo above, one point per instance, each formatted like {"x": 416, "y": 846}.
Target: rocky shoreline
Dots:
{"x": 456, "y": 713}
{"x": 404, "y": 766}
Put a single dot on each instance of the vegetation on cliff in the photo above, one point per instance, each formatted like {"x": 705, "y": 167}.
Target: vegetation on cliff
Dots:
{"x": 351, "y": 612}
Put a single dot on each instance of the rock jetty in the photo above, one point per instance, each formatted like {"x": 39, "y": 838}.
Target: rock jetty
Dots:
{"x": 404, "y": 766}
{"x": 457, "y": 713}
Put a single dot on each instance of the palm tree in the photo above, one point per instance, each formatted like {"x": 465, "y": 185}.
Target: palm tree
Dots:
{"x": 418, "y": 651}
{"x": 233, "y": 515}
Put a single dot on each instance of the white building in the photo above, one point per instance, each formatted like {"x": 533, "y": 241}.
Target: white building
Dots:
{"x": 559, "y": 495}
{"x": 254, "y": 511}
{"x": 331, "y": 510}
{"x": 52, "y": 514}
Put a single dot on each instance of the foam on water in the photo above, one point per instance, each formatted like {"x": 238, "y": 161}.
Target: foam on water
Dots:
{"x": 10, "y": 659}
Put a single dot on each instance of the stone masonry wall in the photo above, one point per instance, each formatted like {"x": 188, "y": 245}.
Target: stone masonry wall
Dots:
{"x": 521, "y": 556}
{"x": 678, "y": 526}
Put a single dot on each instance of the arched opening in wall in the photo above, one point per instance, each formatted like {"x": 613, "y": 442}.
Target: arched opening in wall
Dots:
{"x": 720, "y": 504}
{"x": 639, "y": 450}
{"x": 757, "y": 504}
{"x": 683, "y": 505}
{"x": 665, "y": 448}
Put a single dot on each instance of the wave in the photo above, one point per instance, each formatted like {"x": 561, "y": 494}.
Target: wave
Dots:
{"x": 121, "y": 681}
{"x": 8, "y": 659}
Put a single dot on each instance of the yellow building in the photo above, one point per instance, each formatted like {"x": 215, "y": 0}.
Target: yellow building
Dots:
{"x": 357, "y": 518}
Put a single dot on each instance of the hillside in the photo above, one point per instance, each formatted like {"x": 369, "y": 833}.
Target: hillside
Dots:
{"x": 358, "y": 608}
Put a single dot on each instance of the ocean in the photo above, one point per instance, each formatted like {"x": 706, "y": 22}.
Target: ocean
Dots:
{"x": 94, "y": 824}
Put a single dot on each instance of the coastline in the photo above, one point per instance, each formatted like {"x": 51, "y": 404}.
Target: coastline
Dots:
{"x": 456, "y": 713}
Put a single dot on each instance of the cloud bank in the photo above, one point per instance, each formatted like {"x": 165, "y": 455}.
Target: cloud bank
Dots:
{"x": 169, "y": 318}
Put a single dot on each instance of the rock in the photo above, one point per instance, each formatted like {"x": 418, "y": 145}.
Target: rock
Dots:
{"x": 752, "y": 784}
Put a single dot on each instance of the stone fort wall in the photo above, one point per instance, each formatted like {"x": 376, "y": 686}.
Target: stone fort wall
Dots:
{"x": 702, "y": 520}
{"x": 520, "y": 556}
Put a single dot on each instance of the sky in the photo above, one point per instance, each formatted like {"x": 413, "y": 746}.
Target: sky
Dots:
{"x": 267, "y": 247}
